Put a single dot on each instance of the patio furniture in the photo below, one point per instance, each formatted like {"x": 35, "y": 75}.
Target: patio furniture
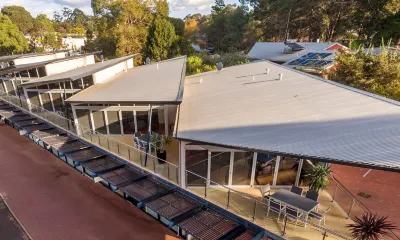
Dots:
{"x": 319, "y": 217}
{"x": 294, "y": 214}
{"x": 297, "y": 190}
{"x": 276, "y": 207}
{"x": 265, "y": 191}
{"x": 313, "y": 195}
{"x": 294, "y": 200}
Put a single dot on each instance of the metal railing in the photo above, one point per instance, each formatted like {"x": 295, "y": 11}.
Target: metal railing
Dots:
{"x": 241, "y": 204}
{"x": 348, "y": 202}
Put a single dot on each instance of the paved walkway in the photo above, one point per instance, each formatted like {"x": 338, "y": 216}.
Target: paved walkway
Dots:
{"x": 54, "y": 201}
{"x": 382, "y": 186}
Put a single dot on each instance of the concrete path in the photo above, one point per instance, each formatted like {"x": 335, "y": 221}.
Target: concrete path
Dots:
{"x": 54, "y": 201}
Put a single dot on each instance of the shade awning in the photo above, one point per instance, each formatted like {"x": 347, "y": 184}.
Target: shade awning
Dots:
{"x": 157, "y": 83}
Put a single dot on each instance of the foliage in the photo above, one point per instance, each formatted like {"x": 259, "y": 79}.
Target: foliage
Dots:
{"x": 376, "y": 73}
{"x": 162, "y": 34}
{"x": 179, "y": 26}
{"x": 20, "y": 17}
{"x": 227, "y": 59}
{"x": 191, "y": 27}
{"x": 78, "y": 31}
{"x": 195, "y": 65}
{"x": 12, "y": 41}
{"x": 370, "y": 227}
{"x": 180, "y": 47}
{"x": 319, "y": 177}
{"x": 42, "y": 25}
{"x": 160, "y": 144}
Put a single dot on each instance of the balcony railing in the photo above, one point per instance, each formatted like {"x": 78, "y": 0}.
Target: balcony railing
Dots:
{"x": 249, "y": 207}
{"x": 347, "y": 201}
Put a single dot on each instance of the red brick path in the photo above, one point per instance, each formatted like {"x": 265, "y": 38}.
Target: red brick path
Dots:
{"x": 383, "y": 186}
{"x": 53, "y": 201}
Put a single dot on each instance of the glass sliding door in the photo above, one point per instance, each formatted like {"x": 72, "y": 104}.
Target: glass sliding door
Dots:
{"x": 220, "y": 166}
{"x": 242, "y": 166}
{"x": 306, "y": 170}
{"x": 128, "y": 122}
{"x": 142, "y": 119}
{"x": 287, "y": 171}
{"x": 114, "y": 125}
{"x": 99, "y": 122}
{"x": 196, "y": 162}
{"x": 265, "y": 168}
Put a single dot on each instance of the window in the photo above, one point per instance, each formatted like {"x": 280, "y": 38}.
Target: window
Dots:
{"x": 114, "y": 125}
{"x": 287, "y": 171}
{"x": 142, "y": 121}
{"x": 46, "y": 101}
{"x": 9, "y": 86}
{"x": 88, "y": 81}
{"x": 242, "y": 166}
{"x": 265, "y": 168}
{"x": 57, "y": 101}
{"x": 306, "y": 170}
{"x": 34, "y": 98}
{"x": 196, "y": 162}
{"x": 33, "y": 73}
{"x": 43, "y": 86}
{"x": 77, "y": 84}
{"x": 220, "y": 163}
{"x": 2, "y": 86}
{"x": 99, "y": 122}
{"x": 128, "y": 122}
{"x": 83, "y": 116}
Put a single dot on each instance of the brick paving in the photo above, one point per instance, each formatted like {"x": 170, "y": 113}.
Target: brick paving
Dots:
{"x": 382, "y": 186}
{"x": 54, "y": 201}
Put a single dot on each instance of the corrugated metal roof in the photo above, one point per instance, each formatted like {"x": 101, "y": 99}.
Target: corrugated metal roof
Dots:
{"x": 160, "y": 82}
{"x": 22, "y": 67}
{"x": 302, "y": 115}
{"x": 12, "y": 57}
{"x": 76, "y": 73}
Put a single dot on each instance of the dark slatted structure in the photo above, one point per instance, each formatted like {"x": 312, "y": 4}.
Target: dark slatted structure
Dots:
{"x": 122, "y": 176}
{"x": 246, "y": 235}
{"x": 83, "y": 155}
{"x": 208, "y": 225}
{"x": 164, "y": 201}
{"x": 145, "y": 188}
{"x": 101, "y": 165}
{"x": 172, "y": 205}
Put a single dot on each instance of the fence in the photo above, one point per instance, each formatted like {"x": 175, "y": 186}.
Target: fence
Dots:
{"x": 237, "y": 202}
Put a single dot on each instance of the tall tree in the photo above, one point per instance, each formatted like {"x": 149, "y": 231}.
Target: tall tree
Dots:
{"x": 179, "y": 26}
{"x": 12, "y": 41}
{"x": 20, "y": 17}
{"x": 162, "y": 33}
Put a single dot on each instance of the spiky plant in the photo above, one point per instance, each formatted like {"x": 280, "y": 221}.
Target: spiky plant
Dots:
{"x": 319, "y": 177}
{"x": 370, "y": 227}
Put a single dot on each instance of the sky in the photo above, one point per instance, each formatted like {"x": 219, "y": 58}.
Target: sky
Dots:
{"x": 178, "y": 8}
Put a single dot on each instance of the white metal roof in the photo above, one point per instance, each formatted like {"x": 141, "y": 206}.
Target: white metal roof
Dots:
{"x": 244, "y": 107}
{"x": 160, "y": 82}
{"x": 76, "y": 73}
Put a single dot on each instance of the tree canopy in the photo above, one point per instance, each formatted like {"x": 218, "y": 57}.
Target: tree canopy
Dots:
{"x": 20, "y": 17}
{"x": 12, "y": 41}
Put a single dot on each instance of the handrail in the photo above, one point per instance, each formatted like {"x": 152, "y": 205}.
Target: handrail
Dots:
{"x": 230, "y": 190}
{"x": 362, "y": 205}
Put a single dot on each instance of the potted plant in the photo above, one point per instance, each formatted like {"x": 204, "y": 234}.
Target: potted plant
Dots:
{"x": 160, "y": 143}
{"x": 319, "y": 177}
{"x": 370, "y": 227}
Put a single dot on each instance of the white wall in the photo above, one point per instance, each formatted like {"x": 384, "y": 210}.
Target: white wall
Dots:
{"x": 105, "y": 74}
{"x": 76, "y": 43}
{"x": 90, "y": 60}
{"x": 35, "y": 59}
{"x": 63, "y": 66}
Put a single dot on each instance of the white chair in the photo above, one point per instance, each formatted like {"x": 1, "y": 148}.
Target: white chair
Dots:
{"x": 276, "y": 207}
{"x": 265, "y": 191}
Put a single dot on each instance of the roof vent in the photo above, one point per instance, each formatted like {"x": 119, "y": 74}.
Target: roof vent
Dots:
{"x": 220, "y": 66}
{"x": 147, "y": 60}
{"x": 280, "y": 76}
{"x": 268, "y": 70}
{"x": 157, "y": 66}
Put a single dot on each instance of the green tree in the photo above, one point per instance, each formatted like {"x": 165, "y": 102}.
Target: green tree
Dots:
{"x": 12, "y": 41}
{"x": 162, "y": 35}
{"x": 20, "y": 17}
{"x": 179, "y": 26}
